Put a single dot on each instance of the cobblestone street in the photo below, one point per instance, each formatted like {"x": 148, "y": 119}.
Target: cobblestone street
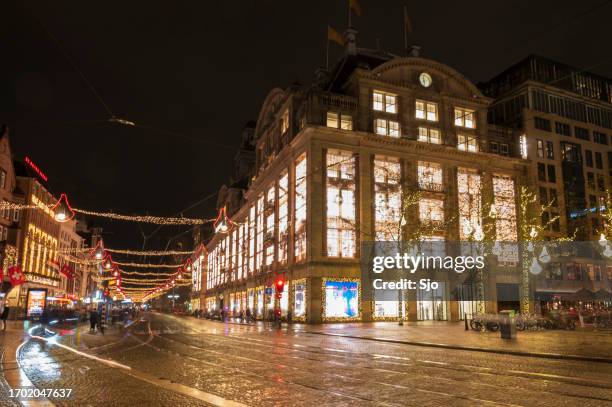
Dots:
{"x": 169, "y": 360}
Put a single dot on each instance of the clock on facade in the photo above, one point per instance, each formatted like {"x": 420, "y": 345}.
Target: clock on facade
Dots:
{"x": 425, "y": 79}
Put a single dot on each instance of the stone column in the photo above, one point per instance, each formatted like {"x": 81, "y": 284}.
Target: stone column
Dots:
{"x": 315, "y": 202}
{"x": 314, "y": 305}
{"x": 365, "y": 229}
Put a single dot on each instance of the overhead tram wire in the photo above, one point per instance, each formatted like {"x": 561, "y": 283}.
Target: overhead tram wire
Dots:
{"x": 74, "y": 65}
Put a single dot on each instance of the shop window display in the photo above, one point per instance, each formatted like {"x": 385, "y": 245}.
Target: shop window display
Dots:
{"x": 341, "y": 299}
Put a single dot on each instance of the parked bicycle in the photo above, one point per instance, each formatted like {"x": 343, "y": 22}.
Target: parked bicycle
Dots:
{"x": 485, "y": 322}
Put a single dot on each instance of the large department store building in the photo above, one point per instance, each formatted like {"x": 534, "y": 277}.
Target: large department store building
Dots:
{"x": 331, "y": 161}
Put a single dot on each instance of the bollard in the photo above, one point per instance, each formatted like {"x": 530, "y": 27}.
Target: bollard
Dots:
{"x": 466, "y": 322}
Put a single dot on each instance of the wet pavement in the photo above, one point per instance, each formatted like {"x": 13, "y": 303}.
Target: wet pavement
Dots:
{"x": 180, "y": 361}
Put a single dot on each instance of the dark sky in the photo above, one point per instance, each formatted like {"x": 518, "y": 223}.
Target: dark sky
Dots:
{"x": 201, "y": 69}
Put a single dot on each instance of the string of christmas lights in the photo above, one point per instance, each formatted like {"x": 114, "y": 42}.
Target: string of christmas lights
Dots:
{"x": 157, "y": 220}
{"x": 151, "y": 252}
{"x": 147, "y": 265}
{"x": 13, "y": 206}
{"x": 136, "y": 273}
{"x": 151, "y": 280}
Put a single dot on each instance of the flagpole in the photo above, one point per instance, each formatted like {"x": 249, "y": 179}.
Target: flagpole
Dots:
{"x": 327, "y": 54}
{"x": 405, "y": 30}
{"x": 349, "y": 13}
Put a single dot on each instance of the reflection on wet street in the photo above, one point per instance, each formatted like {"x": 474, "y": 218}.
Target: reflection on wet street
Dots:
{"x": 169, "y": 360}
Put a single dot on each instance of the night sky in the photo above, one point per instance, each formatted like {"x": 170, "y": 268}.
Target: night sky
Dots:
{"x": 192, "y": 73}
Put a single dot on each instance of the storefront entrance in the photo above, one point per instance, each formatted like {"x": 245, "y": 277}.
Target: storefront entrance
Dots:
{"x": 432, "y": 305}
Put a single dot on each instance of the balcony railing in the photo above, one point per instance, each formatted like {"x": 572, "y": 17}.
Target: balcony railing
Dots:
{"x": 341, "y": 102}
{"x": 431, "y": 187}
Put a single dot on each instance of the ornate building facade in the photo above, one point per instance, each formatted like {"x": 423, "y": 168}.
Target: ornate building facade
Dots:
{"x": 333, "y": 163}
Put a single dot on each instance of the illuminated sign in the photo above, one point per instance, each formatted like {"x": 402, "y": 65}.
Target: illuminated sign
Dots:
{"x": 36, "y": 302}
{"x": 37, "y": 170}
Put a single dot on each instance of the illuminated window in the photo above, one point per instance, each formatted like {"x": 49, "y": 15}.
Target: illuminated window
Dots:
{"x": 270, "y": 214}
{"x": 431, "y": 210}
{"x": 252, "y": 230}
{"x": 464, "y": 118}
{"x": 523, "y": 146}
{"x": 340, "y": 204}
{"x": 332, "y": 120}
{"x": 284, "y": 123}
{"x": 240, "y": 251}
{"x": 346, "y": 122}
{"x": 232, "y": 259}
{"x": 467, "y": 142}
{"x": 429, "y": 176}
{"x": 426, "y": 110}
{"x": 429, "y": 135}
{"x": 339, "y": 120}
{"x": 300, "y": 208}
{"x": 385, "y": 127}
{"x": 505, "y": 208}
{"x": 540, "y": 145}
{"x": 260, "y": 233}
{"x": 384, "y": 102}
{"x": 283, "y": 217}
{"x": 470, "y": 205}
{"x": 387, "y": 199}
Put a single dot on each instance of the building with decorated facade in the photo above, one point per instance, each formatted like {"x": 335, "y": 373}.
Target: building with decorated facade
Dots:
{"x": 333, "y": 162}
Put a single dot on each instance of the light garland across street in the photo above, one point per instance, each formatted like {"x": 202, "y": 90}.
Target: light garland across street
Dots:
{"x": 136, "y": 273}
{"x": 158, "y": 220}
{"x": 150, "y": 252}
{"x": 147, "y": 265}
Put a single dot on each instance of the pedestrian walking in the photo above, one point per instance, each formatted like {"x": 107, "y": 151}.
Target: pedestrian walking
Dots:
{"x": 93, "y": 320}
{"x": 4, "y": 316}
{"x": 248, "y": 315}
{"x": 101, "y": 324}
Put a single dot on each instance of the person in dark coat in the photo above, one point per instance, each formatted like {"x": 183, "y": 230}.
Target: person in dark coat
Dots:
{"x": 4, "y": 316}
{"x": 93, "y": 320}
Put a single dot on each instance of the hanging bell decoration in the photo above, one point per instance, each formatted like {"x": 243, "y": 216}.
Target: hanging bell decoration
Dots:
{"x": 544, "y": 256}
{"x": 535, "y": 267}
{"x": 108, "y": 262}
{"x": 62, "y": 210}
{"x": 602, "y": 240}
{"x": 98, "y": 252}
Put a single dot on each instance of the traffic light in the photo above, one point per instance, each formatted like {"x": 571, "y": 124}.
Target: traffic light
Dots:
{"x": 280, "y": 285}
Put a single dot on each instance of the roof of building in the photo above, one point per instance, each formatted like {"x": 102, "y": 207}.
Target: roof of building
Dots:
{"x": 364, "y": 58}
{"x": 544, "y": 70}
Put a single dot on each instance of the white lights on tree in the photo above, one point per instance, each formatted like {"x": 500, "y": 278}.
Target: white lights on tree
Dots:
{"x": 497, "y": 248}
{"x": 467, "y": 228}
{"x": 478, "y": 234}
